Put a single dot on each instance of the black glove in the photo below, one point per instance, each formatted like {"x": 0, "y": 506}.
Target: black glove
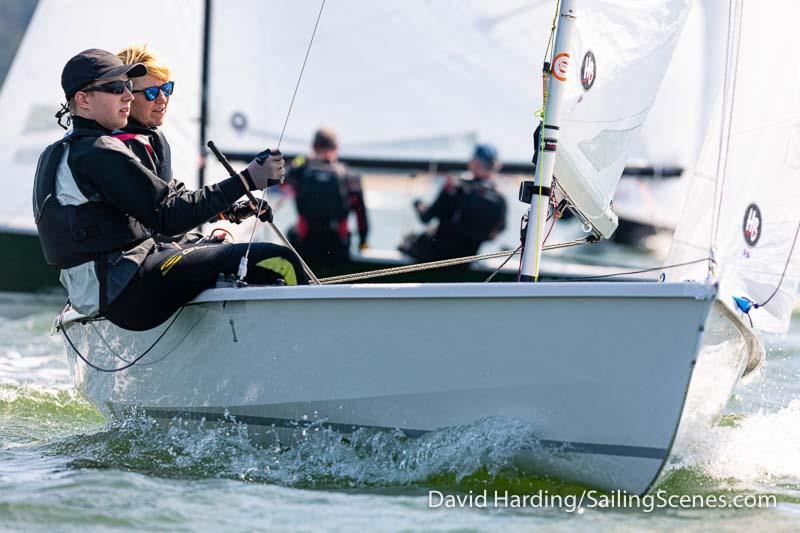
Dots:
{"x": 243, "y": 210}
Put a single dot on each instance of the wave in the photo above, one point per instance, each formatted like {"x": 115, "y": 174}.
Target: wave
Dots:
{"x": 759, "y": 450}
{"x": 32, "y": 413}
{"x": 477, "y": 455}
{"x": 754, "y": 452}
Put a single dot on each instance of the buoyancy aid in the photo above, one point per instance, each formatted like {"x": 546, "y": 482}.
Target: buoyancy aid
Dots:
{"x": 156, "y": 144}
{"x": 480, "y": 210}
{"x": 72, "y": 234}
{"x": 322, "y": 193}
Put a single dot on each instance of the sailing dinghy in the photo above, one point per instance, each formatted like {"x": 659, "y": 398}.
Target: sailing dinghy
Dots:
{"x": 603, "y": 374}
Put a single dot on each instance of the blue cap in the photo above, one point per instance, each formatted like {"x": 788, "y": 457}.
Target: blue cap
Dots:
{"x": 487, "y": 154}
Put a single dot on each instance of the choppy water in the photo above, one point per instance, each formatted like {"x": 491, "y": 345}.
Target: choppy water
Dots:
{"x": 63, "y": 466}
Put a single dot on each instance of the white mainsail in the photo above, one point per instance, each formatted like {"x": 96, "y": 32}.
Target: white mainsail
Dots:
{"x": 745, "y": 190}
{"x": 31, "y": 93}
{"x": 619, "y": 56}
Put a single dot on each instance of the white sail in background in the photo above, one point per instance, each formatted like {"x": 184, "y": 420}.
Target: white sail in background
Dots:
{"x": 32, "y": 92}
{"x": 619, "y": 57}
{"x": 745, "y": 192}
{"x": 397, "y": 79}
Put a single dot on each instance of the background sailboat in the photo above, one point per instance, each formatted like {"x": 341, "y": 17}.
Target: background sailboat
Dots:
{"x": 421, "y": 97}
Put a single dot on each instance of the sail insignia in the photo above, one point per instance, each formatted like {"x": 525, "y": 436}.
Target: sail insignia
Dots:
{"x": 752, "y": 225}
{"x": 588, "y": 70}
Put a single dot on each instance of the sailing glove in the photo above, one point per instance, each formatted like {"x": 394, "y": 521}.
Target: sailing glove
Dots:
{"x": 265, "y": 170}
{"x": 243, "y": 210}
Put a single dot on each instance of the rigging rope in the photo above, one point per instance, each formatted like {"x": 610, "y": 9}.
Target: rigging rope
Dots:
{"x": 728, "y": 96}
{"x": 346, "y": 278}
{"x": 783, "y": 274}
{"x": 628, "y": 273}
{"x": 498, "y": 269}
{"x": 123, "y": 367}
{"x": 263, "y": 199}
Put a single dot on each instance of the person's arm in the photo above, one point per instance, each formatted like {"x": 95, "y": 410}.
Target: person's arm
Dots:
{"x": 125, "y": 183}
{"x": 501, "y": 224}
{"x": 358, "y": 206}
{"x": 443, "y": 205}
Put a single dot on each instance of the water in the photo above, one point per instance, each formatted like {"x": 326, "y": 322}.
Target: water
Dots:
{"x": 63, "y": 466}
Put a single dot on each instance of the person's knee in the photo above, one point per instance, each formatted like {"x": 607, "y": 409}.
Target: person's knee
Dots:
{"x": 283, "y": 263}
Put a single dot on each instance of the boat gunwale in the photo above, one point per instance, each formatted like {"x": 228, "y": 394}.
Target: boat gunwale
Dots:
{"x": 394, "y": 291}
{"x": 699, "y": 291}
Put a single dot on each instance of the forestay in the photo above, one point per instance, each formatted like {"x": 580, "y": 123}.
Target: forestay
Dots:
{"x": 746, "y": 188}
{"x": 620, "y": 53}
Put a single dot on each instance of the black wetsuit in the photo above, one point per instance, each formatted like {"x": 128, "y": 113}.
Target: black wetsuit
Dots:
{"x": 470, "y": 212}
{"x": 325, "y": 194}
{"x": 170, "y": 271}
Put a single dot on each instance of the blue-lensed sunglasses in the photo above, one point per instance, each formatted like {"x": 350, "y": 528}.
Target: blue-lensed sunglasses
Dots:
{"x": 151, "y": 93}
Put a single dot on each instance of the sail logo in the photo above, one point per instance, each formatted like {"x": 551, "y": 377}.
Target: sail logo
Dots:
{"x": 560, "y": 64}
{"x": 588, "y": 70}
{"x": 752, "y": 224}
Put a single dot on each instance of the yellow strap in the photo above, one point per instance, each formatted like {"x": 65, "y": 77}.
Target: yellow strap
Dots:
{"x": 282, "y": 267}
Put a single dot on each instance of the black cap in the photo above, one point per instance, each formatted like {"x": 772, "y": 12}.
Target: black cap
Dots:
{"x": 95, "y": 64}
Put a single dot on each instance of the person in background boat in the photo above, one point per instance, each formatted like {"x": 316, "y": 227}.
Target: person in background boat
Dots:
{"x": 100, "y": 212}
{"x": 470, "y": 212}
{"x": 326, "y": 192}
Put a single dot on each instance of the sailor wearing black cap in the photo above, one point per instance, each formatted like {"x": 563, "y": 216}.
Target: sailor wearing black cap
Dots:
{"x": 98, "y": 209}
{"x": 470, "y": 212}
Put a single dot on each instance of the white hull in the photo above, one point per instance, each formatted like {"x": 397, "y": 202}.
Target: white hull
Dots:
{"x": 602, "y": 391}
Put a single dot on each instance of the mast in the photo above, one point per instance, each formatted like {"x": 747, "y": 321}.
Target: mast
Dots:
{"x": 201, "y": 154}
{"x": 543, "y": 175}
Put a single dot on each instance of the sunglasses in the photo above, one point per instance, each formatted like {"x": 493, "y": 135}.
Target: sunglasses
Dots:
{"x": 114, "y": 87}
{"x": 151, "y": 93}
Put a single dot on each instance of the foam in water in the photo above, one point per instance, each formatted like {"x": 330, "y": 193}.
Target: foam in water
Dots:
{"x": 28, "y": 354}
{"x": 481, "y": 452}
{"x": 761, "y": 448}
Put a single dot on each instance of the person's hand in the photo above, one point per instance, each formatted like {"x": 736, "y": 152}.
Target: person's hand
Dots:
{"x": 266, "y": 212}
{"x": 265, "y": 170}
{"x": 243, "y": 210}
